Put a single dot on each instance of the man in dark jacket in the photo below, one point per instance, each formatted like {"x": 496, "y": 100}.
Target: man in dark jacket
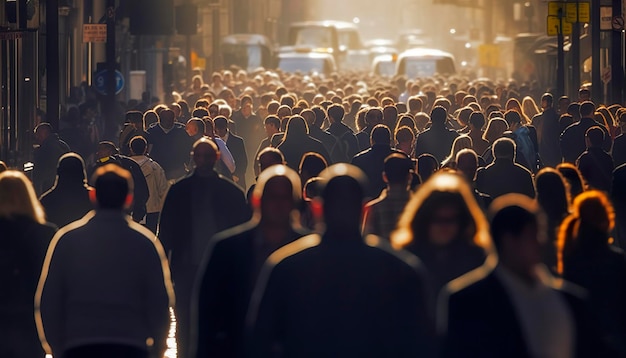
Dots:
{"x": 236, "y": 146}
{"x": 196, "y": 208}
{"x": 515, "y": 310}
{"x": 46, "y": 157}
{"x": 314, "y": 119}
{"x": 436, "y": 140}
{"x": 297, "y": 143}
{"x": 573, "y": 137}
{"x": 234, "y": 260}
{"x": 344, "y": 135}
{"x": 372, "y": 160}
{"x": 548, "y": 132}
{"x": 338, "y": 292}
{"x": 504, "y": 176}
{"x": 169, "y": 144}
{"x": 68, "y": 200}
{"x": 596, "y": 165}
{"x": 373, "y": 117}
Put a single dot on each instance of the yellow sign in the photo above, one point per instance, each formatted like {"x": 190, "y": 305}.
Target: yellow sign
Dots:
{"x": 489, "y": 55}
{"x": 95, "y": 33}
{"x": 554, "y": 26}
{"x": 583, "y": 12}
{"x": 201, "y": 63}
{"x": 554, "y": 7}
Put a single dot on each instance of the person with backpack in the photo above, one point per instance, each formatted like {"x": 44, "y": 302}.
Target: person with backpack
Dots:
{"x": 525, "y": 138}
{"x": 344, "y": 135}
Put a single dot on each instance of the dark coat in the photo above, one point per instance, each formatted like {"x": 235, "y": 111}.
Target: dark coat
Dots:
{"x": 372, "y": 163}
{"x": 294, "y": 147}
{"x": 237, "y": 148}
{"x": 341, "y": 297}
{"x": 596, "y": 166}
{"x": 171, "y": 150}
{"x": 436, "y": 140}
{"x": 346, "y": 139}
{"x": 618, "y": 197}
{"x": 504, "y": 177}
{"x": 619, "y": 150}
{"x": 363, "y": 137}
{"x": 66, "y": 202}
{"x": 46, "y": 159}
{"x": 23, "y": 246}
{"x": 548, "y": 131}
{"x": 225, "y": 286}
{"x": 329, "y": 141}
{"x": 573, "y": 139}
{"x": 483, "y": 323}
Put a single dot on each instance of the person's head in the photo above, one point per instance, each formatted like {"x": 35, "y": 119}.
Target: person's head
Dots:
{"x": 587, "y": 227}
{"x": 272, "y": 107}
{"x": 272, "y": 125}
{"x": 513, "y": 119}
{"x": 573, "y": 177}
{"x": 513, "y": 104}
{"x": 504, "y": 149}
{"x": 381, "y": 135}
{"x": 42, "y": 132}
{"x": 113, "y": 187}
{"x": 150, "y": 117}
{"x": 461, "y": 142}
{"x": 3, "y": 166}
{"x": 336, "y": 113}
{"x": 311, "y": 165}
{"x": 220, "y": 124}
{"x": 438, "y": 116}
{"x": 138, "y": 145}
{"x": 552, "y": 193}
{"x": 167, "y": 118}
{"x": 276, "y": 195}
{"x": 587, "y": 109}
{"x": 584, "y": 94}
{"x": 427, "y": 165}
{"x": 390, "y": 116}
{"x": 415, "y": 104}
{"x": 18, "y": 198}
{"x": 397, "y": 170}
{"x": 495, "y": 128}
{"x": 195, "y": 126}
{"x": 564, "y": 103}
{"x": 464, "y": 116}
{"x": 343, "y": 191}
{"x": 135, "y": 118}
{"x": 283, "y": 112}
{"x": 547, "y": 101}
{"x": 405, "y": 138}
{"x": 476, "y": 121}
{"x": 296, "y": 127}
{"x": 269, "y": 156}
{"x": 374, "y": 116}
{"x": 205, "y": 154}
{"x": 106, "y": 149}
{"x": 467, "y": 163}
{"x": 518, "y": 233}
{"x": 594, "y": 137}
{"x": 443, "y": 211}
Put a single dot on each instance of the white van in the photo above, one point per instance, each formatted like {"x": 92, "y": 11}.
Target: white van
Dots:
{"x": 423, "y": 62}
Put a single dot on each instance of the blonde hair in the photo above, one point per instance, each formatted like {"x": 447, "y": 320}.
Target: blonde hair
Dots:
{"x": 460, "y": 143}
{"x": 495, "y": 128}
{"x": 17, "y": 197}
{"x": 529, "y": 107}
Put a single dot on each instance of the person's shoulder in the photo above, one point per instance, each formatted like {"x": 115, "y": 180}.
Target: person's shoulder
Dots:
{"x": 235, "y": 235}
{"x": 402, "y": 257}
{"x": 473, "y": 284}
{"x": 362, "y": 155}
{"x": 284, "y": 255}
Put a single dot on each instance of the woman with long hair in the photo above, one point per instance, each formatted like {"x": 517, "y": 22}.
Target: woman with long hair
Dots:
{"x": 495, "y": 128}
{"x": 529, "y": 107}
{"x": 460, "y": 143}
{"x": 513, "y": 104}
{"x": 554, "y": 199}
{"x": 24, "y": 239}
{"x": 444, "y": 226}
{"x": 587, "y": 258}
{"x": 573, "y": 177}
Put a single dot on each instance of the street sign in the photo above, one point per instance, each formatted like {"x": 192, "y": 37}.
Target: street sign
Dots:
{"x": 617, "y": 23}
{"x": 99, "y": 82}
{"x": 606, "y": 18}
{"x": 606, "y": 74}
{"x": 489, "y": 55}
{"x": 553, "y": 26}
{"x": 95, "y": 33}
{"x": 554, "y": 7}
{"x": 583, "y": 12}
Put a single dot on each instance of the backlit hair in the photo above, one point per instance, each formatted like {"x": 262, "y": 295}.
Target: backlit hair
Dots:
{"x": 18, "y": 198}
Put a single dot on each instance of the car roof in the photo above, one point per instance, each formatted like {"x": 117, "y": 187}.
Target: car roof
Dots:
{"x": 340, "y": 25}
{"x": 322, "y": 55}
{"x": 424, "y": 52}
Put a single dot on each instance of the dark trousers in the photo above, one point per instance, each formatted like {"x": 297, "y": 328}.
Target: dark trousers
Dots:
{"x": 152, "y": 220}
{"x": 106, "y": 351}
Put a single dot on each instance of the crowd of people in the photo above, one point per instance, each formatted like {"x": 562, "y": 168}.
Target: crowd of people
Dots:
{"x": 284, "y": 215}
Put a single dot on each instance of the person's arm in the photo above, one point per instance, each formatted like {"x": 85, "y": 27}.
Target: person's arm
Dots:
{"x": 161, "y": 184}
{"x": 226, "y": 155}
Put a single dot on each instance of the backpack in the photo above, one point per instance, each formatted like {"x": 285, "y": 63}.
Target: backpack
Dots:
{"x": 340, "y": 152}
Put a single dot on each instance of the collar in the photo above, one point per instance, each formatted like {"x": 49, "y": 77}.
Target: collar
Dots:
{"x": 166, "y": 130}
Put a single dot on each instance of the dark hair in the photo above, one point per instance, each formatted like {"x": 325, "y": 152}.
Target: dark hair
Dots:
{"x": 200, "y": 113}
{"x": 512, "y": 117}
{"x": 477, "y": 119}
{"x": 373, "y": 116}
{"x": 220, "y": 122}
{"x": 134, "y": 117}
{"x": 380, "y": 135}
{"x": 595, "y": 136}
{"x": 573, "y": 177}
{"x": 548, "y": 98}
{"x": 112, "y": 184}
{"x": 587, "y": 109}
{"x": 272, "y": 120}
{"x": 275, "y": 155}
{"x": 320, "y": 115}
{"x": 504, "y": 148}
{"x": 138, "y": 145}
{"x": 438, "y": 115}
{"x": 552, "y": 194}
{"x": 312, "y": 164}
{"x": 199, "y": 123}
{"x": 427, "y": 164}
{"x": 336, "y": 112}
{"x": 510, "y": 215}
{"x": 415, "y": 104}
{"x": 397, "y": 167}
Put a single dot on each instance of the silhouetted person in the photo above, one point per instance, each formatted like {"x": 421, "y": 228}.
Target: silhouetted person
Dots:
{"x": 236, "y": 146}
{"x": 46, "y": 157}
{"x": 373, "y": 117}
{"x": 427, "y": 165}
{"x": 573, "y": 137}
{"x": 467, "y": 165}
{"x": 342, "y": 133}
{"x": 234, "y": 260}
{"x": 595, "y": 165}
{"x": 337, "y": 292}
{"x": 133, "y": 127}
{"x": 3, "y": 166}
{"x": 548, "y": 131}
{"x": 476, "y": 123}
{"x": 314, "y": 119}
{"x": 516, "y": 309}
{"x": 272, "y": 126}
{"x": 575, "y": 182}
{"x": 169, "y": 145}
{"x": 504, "y": 176}
{"x": 619, "y": 144}
{"x": 24, "y": 238}
{"x": 195, "y": 208}
{"x": 297, "y": 143}
{"x": 618, "y": 196}
{"x": 312, "y": 165}
{"x": 267, "y": 157}
{"x": 68, "y": 200}
{"x": 372, "y": 161}
{"x": 382, "y": 214}
{"x": 436, "y": 140}
{"x": 105, "y": 288}
{"x": 587, "y": 259}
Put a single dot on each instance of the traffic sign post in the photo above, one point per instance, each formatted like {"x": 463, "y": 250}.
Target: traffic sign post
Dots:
{"x": 99, "y": 82}
{"x": 489, "y": 55}
{"x": 558, "y": 26}
{"x": 578, "y": 12}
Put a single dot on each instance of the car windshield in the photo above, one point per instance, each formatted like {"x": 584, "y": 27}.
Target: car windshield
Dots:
{"x": 302, "y": 64}
{"x": 387, "y": 69}
{"x": 350, "y": 39}
{"x": 245, "y": 56}
{"x": 419, "y": 67}
{"x": 313, "y": 36}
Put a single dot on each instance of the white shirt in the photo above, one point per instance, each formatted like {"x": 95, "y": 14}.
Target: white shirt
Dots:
{"x": 226, "y": 156}
{"x": 545, "y": 318}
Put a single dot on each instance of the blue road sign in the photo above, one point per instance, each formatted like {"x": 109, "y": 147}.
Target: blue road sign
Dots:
{"x": 99, "y": 82}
